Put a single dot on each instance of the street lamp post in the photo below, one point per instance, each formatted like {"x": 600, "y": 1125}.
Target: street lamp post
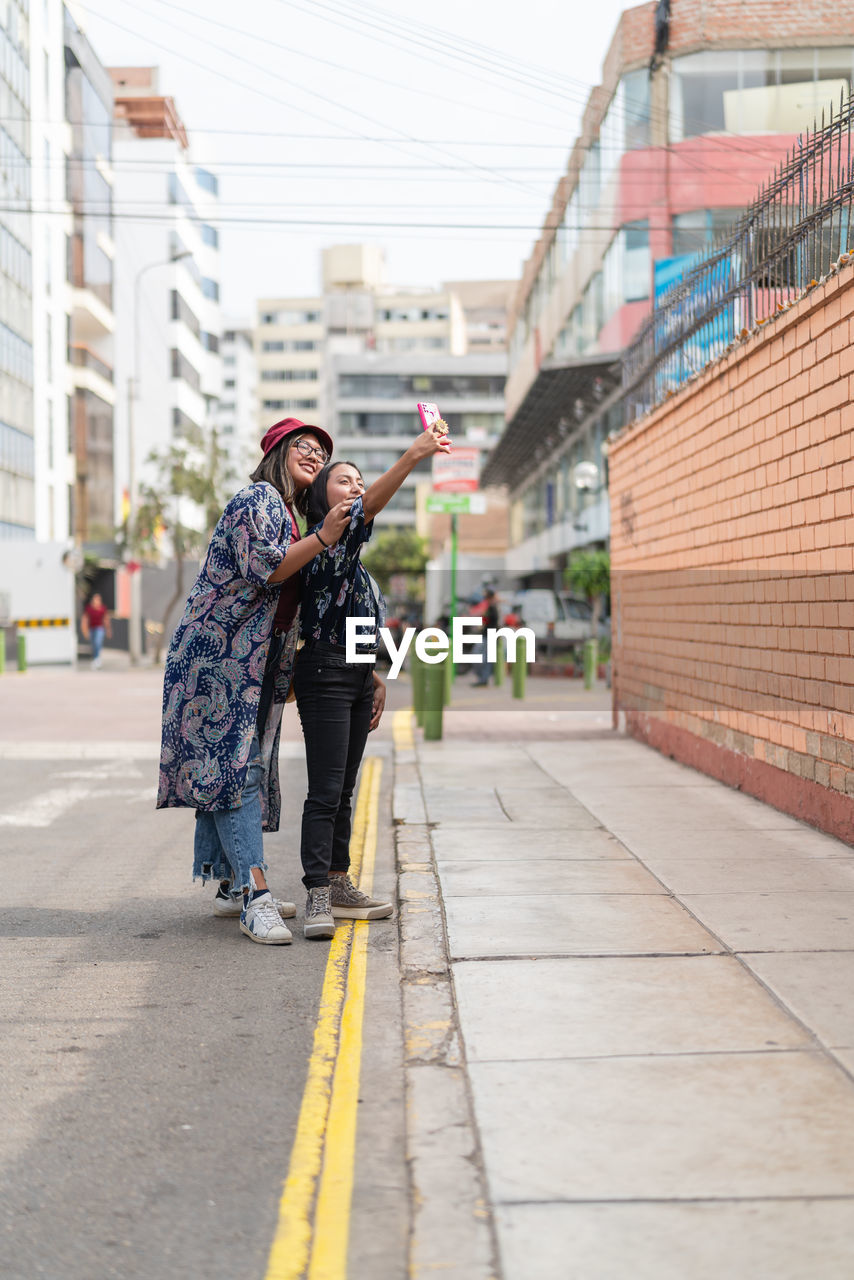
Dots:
{"x": 135, "y": 618}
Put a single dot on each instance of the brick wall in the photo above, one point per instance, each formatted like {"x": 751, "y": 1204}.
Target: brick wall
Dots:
{"x": 733, "y": 565}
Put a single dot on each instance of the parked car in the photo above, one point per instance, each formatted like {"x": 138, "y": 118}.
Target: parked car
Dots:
{"x": 557, "y": 619}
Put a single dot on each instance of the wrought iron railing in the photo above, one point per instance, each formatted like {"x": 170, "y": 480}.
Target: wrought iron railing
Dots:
{"x": 787, "y": 239}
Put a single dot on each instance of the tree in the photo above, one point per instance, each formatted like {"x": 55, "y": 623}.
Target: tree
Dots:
{"x": 589, "y": 574}
{"x": 398, "y": 551}
{"x": 186, "y": 472}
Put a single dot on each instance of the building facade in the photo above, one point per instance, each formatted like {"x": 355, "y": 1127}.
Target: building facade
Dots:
{"x": 169, "y": 366}
{"x": 90, "y": 267}
{"x": 696, "y": 105}
{"x": 373, "y": 414}
{"x": 236, "y": 416}
{"x": 358, "y": 357}
{"x": 17, "y": 446}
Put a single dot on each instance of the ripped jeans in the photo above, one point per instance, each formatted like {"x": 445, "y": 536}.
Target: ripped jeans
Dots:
{"x": 229, "y": 842}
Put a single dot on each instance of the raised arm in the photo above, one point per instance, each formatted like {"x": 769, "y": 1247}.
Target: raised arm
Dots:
{"x": 299, "y": 553}
{"x": 434, "y": 440}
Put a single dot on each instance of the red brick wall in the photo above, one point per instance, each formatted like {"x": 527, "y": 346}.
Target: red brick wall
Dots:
{"x": 733, "y": 565}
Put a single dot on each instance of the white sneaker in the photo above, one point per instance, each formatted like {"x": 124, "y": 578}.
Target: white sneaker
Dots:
{"x": 226, "y": 907}
{"x": 261, "y": 922}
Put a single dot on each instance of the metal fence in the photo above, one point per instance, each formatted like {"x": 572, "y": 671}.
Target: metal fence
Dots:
{"x": 785, "y": 241}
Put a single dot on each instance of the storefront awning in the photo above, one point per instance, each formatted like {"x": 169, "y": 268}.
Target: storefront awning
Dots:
{"x": 558, "y": 401}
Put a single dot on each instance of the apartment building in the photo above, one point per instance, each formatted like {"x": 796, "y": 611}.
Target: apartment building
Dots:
{"x": 169, "y": 367}
{"x": 91, "y": 253}
{"x": 236, "y": 416}
{"x": 358, "y": 356}
{"x": 17, "y": 448}
{"x": 696, "y": 105}
{"x": 373, "y": 410}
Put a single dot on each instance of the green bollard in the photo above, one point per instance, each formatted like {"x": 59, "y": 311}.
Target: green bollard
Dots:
{"x": 591, "y": 662}
{"x": 22, "y": 651}
{"x": 417, "y": 670}
{"x": 500, "y": 660}
{"x": 520, "y": 672}
{"x": 434, "y": 699}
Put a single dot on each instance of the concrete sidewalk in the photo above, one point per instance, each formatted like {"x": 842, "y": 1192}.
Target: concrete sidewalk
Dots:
{"x": 627, "y": 990}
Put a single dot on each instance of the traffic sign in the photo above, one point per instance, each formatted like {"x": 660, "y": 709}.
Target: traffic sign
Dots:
{"x": 473, "y": 504}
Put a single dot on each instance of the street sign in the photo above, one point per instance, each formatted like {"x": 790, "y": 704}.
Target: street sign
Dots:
{"x": 457, "y": 471}
{"x": 472, "y": 504}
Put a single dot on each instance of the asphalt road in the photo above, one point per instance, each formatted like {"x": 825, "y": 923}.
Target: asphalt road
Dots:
{"x": 154, "y": 1059}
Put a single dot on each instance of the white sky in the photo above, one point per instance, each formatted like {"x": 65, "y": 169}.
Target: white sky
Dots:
{"x": 468, "y": 144}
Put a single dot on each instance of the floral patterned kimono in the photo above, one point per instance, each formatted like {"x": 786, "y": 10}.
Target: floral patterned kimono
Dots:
{"x": 215, "y": 664}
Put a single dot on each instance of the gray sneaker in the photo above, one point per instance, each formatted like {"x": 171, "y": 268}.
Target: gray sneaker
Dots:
{"x": 319, "y": 922}
{"x": 261, "y": 922}
{"x": 349, "y": 903}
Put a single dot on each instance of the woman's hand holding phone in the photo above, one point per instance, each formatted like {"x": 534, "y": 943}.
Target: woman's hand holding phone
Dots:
{"x": 337, "y": 519}
{"x": 433, "y": 439}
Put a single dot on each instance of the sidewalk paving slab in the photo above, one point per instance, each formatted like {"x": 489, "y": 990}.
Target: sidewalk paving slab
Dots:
{"x": 652, "y": 978}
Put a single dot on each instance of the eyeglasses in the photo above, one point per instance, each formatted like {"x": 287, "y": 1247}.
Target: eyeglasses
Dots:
{"x": 311, "y": 451}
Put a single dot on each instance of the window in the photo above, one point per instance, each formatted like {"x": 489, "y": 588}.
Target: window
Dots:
{"x": 210, "y": 289}
{"x": 698, "y": 228}
{"x": 289, "y": 375}
{"x": 636, "y": 261}
{"x": 210, "y": 342}
{"x": 207, "y": 181}
{"x": 210, "y": 235}
{"x": 745, "y": 90}
{"x": 291, "y": 317}
{"x": 393, "y": 386}
{"x": 289, "y": 404}
{"x": 228, "y": 384}
{"x": 293, "y": 344}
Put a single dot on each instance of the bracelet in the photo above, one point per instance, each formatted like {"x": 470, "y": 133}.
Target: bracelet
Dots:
{"x": 320, "y": 540}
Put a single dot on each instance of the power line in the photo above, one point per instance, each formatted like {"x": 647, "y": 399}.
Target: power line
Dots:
{"x": 230, "y": 53}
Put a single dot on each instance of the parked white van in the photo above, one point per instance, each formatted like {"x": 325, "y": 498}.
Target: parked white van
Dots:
{"x": 556, "y": 618}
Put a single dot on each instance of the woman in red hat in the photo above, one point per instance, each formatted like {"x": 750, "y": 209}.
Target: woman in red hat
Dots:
{"x": 228, "y": 673}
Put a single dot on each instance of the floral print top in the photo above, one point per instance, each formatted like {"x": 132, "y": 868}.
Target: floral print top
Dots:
{"x": 337, "y": 586}
{"x": 216, "y": 659}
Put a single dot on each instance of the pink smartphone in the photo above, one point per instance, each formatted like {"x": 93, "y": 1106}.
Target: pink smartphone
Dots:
{"x": 429, "y": 413}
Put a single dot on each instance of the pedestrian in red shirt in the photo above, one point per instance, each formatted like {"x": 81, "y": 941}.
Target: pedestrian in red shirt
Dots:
{"x": 95, "y": 624}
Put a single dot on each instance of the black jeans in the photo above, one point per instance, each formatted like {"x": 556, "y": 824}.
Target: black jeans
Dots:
{"x": 335, "y": 700}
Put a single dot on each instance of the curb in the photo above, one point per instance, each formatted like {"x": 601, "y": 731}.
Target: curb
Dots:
{"x": 451, "y": 1226}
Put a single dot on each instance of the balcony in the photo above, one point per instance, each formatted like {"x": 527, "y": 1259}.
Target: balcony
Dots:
{"x": 91, "y": 373}
{"x": 91, "y": 301}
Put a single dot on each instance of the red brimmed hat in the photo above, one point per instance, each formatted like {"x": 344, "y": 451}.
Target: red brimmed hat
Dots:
{"x": 287, "y": 427}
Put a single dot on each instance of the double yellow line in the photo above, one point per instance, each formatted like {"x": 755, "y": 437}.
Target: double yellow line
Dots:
{"x": 313, "y": 1227}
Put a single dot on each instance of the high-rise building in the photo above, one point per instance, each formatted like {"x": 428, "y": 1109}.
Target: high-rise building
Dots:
{"x": 52, "y": 229}
{"x": 90, "y": 249}
{"x": 168, "y": 368}
{"x": 358, "y": 357}
{"x": 17, "y": 449}
{"x": 695, "y": 107}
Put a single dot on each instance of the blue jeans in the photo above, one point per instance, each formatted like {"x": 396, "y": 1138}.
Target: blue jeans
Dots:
{"x": 229, "y": 842}
{"x": 97, "y": 636}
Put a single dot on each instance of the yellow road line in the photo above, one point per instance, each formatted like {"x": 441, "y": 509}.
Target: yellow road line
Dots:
{"x": 401, "y": 729}
{"x": 334, "y": 1197}
{"x": 331, "y": 1091}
